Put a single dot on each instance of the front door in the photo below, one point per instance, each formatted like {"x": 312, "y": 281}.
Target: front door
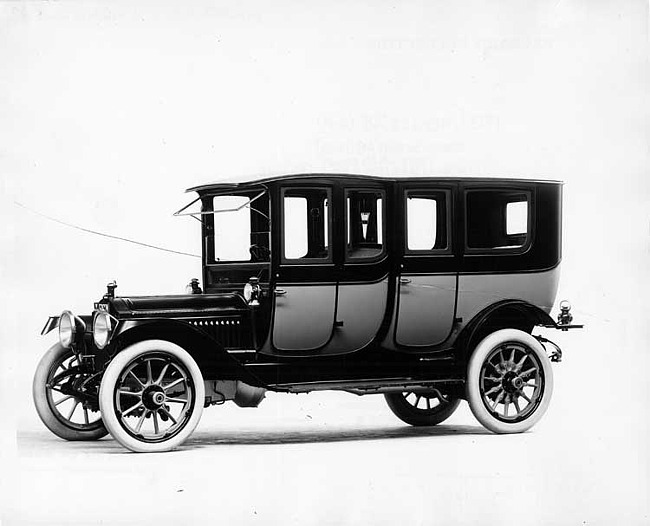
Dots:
{"x": 305, "y": 292}
{"x": 427, "y": 280}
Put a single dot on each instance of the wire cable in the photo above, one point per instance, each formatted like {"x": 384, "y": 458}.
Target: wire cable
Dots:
{"x": 103, "y": 234}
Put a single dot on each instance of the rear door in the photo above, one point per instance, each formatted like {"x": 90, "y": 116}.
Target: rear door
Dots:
{"x": 427, "y": 280}
{"x": 363, "y": 281}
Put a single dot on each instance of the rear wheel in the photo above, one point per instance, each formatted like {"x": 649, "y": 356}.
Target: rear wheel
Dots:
{"x": 152, "y": 396}
{"x": 509, "y": 381}
{"x": 426, "y": 408}
{"x": 56, "y": 389}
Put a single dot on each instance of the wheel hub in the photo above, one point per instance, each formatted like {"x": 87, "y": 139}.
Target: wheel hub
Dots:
{"x": 153, "y": 397}
{"x": 512, "y": 382}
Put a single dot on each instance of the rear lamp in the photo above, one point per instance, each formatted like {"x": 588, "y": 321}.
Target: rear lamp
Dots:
{"x": 565, "y": 317}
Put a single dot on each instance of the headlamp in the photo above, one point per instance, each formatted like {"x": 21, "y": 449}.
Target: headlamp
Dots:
{"x": 67, "y": 329}
{"x": 102, "y": 328}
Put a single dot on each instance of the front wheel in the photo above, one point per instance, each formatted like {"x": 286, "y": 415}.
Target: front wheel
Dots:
{"x": 509, "y": 381}
{"x": 422, "y": 408}
{"x": 58, "y": 397}
{"x": 152, "y": 396}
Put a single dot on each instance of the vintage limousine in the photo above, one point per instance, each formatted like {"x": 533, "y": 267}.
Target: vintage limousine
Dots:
{"x": 426, "y": 290}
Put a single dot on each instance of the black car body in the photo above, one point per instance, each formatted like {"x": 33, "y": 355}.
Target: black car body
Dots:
{"x": 412, "y": 287}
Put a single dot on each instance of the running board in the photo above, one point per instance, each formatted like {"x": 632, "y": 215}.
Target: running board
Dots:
{"x": 362, "y": 387}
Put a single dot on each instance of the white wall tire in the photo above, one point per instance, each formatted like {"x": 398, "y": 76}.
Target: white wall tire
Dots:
{"x": 509, "y": 381}
{"x": 66, "y": 415}
{"x": 152, "y": 396}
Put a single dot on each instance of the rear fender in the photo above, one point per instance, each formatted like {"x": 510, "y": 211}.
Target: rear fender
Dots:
{"x": 508, "y": 314}
{"x": 212, "y": 358}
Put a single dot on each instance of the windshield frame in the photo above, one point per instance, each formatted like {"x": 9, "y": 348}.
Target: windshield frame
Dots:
{"x": 260, "y": 217}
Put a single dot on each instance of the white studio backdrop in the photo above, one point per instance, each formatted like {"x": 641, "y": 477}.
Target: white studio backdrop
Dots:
{"x": 109, "y": 110}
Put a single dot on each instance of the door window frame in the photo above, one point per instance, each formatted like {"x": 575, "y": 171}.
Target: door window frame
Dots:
{"x": 330, "y": 229}
{"x": 384, "y": 229}
{"x": 448, "y": 197}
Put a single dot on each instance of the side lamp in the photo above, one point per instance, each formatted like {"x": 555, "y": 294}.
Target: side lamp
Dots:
{"x": 253, "y": 292}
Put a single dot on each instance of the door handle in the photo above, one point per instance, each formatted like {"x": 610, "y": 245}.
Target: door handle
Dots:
{"x": 280, "y": 292}
{"x": 404, "y": 281}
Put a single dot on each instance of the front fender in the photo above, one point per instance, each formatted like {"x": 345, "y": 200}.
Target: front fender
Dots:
{"x": 212, "y": 358}
{"x": 51, "y": 323}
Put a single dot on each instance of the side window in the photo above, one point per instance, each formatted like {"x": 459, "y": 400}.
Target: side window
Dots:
{"x": 241, "y": 228}
{"x": 306, "y": 224}
{"x": 232, "y": 228}
{"x": 497, "y": 219}
{"x": 516, "y": 217}
{"x": 365, "y": 224}
{"x": 426, "y": 221}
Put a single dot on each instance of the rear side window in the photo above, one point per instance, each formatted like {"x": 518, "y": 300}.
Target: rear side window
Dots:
{"x": 497, "y": 219}
{"x": 516, "y": 217}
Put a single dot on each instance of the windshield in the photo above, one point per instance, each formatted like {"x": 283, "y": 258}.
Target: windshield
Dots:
{"x": 240, "y": 228}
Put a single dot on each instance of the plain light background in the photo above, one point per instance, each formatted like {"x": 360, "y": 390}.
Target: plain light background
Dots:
{"x": 109, "y": 110}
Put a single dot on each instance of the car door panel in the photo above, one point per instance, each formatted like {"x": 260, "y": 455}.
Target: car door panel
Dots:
{"x": 427, "y": 280}
{"x": 305, "y": 290}
{"x": 426, "y": 306}
{"x": 361, "y": 308}
{"x": 303, "y": 319}
{"x": 364, "y": 268}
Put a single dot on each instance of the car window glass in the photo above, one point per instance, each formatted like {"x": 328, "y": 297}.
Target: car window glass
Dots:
{"x": 421, "y": 221}
{"x": 516, "y": 217}
{"x": 425, "y": 221}
{"x": 364, "y": 224}
{"x": 497, "y": 219}
{"x": 306, "y": 224}
{"x": 295, "y": 229}
{"x": 232, "y": 228}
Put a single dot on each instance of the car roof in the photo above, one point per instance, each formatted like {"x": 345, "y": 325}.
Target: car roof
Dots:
{"x": 238, "y": 183}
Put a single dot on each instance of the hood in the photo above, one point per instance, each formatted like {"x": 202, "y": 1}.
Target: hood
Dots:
{"x": 180, "y": 305}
